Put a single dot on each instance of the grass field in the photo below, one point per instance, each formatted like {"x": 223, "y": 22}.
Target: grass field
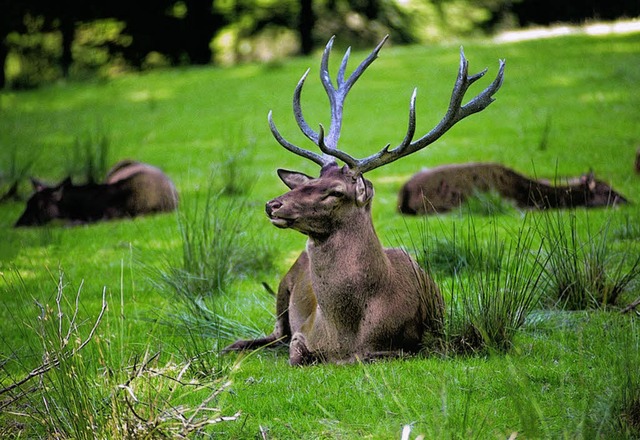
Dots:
{"x": 151, "y": 368}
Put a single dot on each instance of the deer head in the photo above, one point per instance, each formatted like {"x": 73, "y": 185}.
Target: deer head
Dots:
{"x": 316, "y": 207}
{"x": 313, "y": 205}
{"x": 44, "y": 205}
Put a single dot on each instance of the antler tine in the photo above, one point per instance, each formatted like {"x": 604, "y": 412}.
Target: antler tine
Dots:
{"x": 297, "y": 111}
{"x": 455, "y": 113}
{"x": 320, "y": 160}
{"x": 337, "y": 95}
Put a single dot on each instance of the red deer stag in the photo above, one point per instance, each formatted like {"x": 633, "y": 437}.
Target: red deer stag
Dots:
{"x": 443, "y": 188}
{"x": 130, "y": 189}
{"x": 347, "y": 298}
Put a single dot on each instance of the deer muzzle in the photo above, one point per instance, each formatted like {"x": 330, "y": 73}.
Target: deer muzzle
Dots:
{"x": 271, "y": 209}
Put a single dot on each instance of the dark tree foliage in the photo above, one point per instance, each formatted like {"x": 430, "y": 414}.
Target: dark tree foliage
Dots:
{"x": 182, "y": 30}
{"x": 200, "y": 24}
{"x": 152, "y": 24}
{"x": 10, "y": 21}
{"x": 550, "y": 11}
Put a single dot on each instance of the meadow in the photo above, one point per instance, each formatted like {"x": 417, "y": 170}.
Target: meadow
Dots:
{"x": 114, "y": 330}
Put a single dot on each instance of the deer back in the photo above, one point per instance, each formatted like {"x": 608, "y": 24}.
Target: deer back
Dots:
{"x": 445, "y": 187}
{"x": 149, "y": 189}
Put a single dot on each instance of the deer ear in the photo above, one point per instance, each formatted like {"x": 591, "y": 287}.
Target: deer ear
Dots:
{"x": 364, "y": 191}
{"x": 589, "y": 180}
{"x": 293, "y": 179}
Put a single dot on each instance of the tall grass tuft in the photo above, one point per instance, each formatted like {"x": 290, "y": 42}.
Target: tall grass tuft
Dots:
{"x": 11, "y": 175}
{"x": 493, "y": 301}
{"x": 584, "y": 272}
{"x": 90, "y": 157}
{"x": 452, "y": 252}
{"x": 235, "y": 180}
{"x": 219, "y": 248}
{"x": 494, "y": 282}
{"x": 60, "y": 395}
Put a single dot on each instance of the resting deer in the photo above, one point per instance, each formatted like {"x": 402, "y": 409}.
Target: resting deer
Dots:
{"x": 443, "y": 188}
{"x": 130, "y": 189}
{"x": 346, "y": 297}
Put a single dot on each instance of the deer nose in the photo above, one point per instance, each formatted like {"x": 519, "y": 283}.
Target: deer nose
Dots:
{"x": 272, "y": 206}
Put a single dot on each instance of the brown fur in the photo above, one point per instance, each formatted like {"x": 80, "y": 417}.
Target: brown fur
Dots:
{"x": 150, "y": 188}
{"x": 446, "y": 187}
{"x": 131, "y": 189}
{"x": 346, "y": 297}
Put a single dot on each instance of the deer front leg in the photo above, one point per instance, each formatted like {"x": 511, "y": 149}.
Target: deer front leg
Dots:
{"x": 277, "y": 337}
{"x": 281, "y": 331}
{"x": 299, "y": 353}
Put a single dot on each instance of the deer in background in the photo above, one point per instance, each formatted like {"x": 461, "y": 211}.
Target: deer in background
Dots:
{"x": 347, "y": 298}
{"x": 446, "y": 187}
{"x": 130, "y": 189}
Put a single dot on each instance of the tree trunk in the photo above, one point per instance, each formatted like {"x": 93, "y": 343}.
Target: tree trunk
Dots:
{"x": 4, "y": 52}
{"x": 67, "y": 28}
{"x": 305, "y": 26}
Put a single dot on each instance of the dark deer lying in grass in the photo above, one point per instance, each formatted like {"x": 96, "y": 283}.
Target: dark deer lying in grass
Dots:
{"x": 446, "y": 187}
{"x": 130, "y": 189}
{"x": 347, "y": 297}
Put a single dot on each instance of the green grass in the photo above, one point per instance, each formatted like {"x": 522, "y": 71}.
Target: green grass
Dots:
{"x": 567, "y": 105}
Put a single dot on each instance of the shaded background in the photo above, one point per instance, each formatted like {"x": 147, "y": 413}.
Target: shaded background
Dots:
{"x": 43, "y": 41}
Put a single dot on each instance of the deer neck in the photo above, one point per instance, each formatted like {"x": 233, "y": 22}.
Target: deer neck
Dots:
{"x": 347, "y": 268}
{"x": 351, "y": 257}
{"x": 558, "y": 196}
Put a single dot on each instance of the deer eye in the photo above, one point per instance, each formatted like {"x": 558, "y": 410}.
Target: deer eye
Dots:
{"x": 336, "y": 194}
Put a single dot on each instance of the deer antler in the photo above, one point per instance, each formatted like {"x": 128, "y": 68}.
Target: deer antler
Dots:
{"x": 337, "y": 95}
